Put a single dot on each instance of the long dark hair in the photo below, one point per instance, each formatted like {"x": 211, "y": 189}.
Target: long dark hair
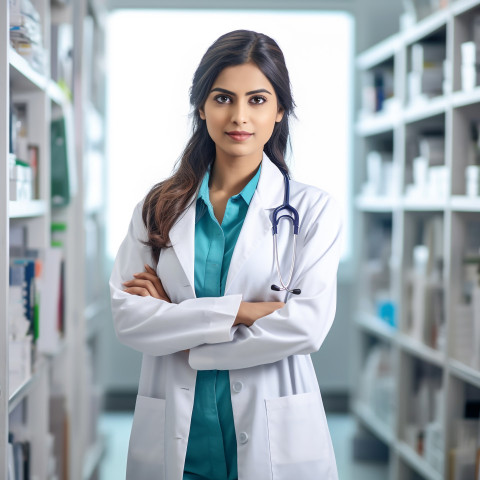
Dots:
{"x": 167, "y": 200}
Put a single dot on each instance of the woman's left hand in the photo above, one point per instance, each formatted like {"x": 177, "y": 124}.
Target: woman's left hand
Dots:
{"x": 146, "y": 284}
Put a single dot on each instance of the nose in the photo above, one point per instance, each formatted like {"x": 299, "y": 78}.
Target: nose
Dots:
{"x": 239, "y": 113}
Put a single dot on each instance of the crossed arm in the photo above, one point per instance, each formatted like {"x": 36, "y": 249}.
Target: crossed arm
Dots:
{"x": 147, "y": 284}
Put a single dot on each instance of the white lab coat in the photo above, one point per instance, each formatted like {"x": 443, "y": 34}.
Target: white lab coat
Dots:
{"x": 282, "y": 432}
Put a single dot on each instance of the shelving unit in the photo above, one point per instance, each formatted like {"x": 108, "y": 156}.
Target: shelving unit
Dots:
{"x": 428, "y": 362}
{"x": 55, "y": 408}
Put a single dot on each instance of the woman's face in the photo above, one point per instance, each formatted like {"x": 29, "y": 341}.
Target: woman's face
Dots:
{"x": 240, "y": 111}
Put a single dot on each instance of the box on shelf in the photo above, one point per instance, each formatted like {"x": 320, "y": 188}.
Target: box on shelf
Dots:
{"x": 21, "y": 182}
{"x": 429, "y": 173}
{"x": 426, "y": 77}
{"x": 377, "y": 386}
{"x": 425, "y": 288}
{"x": 382, "y": 175}
{"x": 472, "y": 180}
{"x": 423, "y": 431}
{"x": 26, "y": 33}
{"x": 377, "y": 90}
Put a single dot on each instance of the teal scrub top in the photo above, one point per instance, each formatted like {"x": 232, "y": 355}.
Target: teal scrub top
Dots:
{"x": 212, "y": 447}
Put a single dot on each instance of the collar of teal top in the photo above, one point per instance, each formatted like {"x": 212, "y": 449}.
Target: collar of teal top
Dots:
{"x": 246, "y": 193}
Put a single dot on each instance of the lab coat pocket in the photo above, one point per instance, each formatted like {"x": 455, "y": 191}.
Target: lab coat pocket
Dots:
{"x": 146, "y": 455}
{"x": 300, "y": 445}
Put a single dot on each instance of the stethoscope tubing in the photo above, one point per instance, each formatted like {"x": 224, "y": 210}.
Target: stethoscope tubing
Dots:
{"x": 295, "y": 219}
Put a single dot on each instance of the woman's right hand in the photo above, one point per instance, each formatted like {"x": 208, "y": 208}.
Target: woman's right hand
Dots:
{"x": 250, "y": 312}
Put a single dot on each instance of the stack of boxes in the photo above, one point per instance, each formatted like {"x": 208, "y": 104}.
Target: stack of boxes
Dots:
{"x": 429, "y": 173}
{"x": 426, "y": 78}
{"x": 471, "y": 58}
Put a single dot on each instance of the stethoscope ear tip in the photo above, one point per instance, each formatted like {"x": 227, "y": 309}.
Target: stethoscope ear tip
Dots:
{"x": 276, "y": 288}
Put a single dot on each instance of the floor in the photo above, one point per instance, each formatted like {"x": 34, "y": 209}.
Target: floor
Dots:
{"x": 116, "y": 428}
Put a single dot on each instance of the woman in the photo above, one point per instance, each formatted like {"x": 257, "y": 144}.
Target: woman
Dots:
{"x": 227, "y": 387}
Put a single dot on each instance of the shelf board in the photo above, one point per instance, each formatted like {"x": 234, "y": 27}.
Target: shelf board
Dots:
{"x": 377, "y": 426}
{"x": 422, "y": 109}
{"x": 462, "y": 6}
{"x": 379, "y": 53}
{"x": 22, "y": 74}
{"x": 376, "y": 204}
{"x": 417, "y": 462}
{"x": 421, "y": 350}
{"x": 55, "y": 93}
{"x": 462, "y": 203}
{"x": 463, "y": 98}
{"x": 374, "y": 325}
{"x": 424, "y": 204}
{"x": 465, "y": 372}
{"x": 380, "y": 122}
{"x": 32, "y": 208}
{"x": 426, "y": 26}
{"x": 23, "y": 390}
{"x": 94, "y": 456}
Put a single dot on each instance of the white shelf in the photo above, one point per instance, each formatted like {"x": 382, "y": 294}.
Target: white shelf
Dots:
{"x": 379, "y": 53}
{"x": 424, "y": 204}
{"x": 376, "y": 326}
{"x": 452, "y": 113}
{"x": 23, "y": 390}
{"x": 465, "y": 372}
{"x": 426, "y": 26}
{"x": 419, "y": 349}
{"x": 464, "y": 98}
{"x": 462, "y": 6}
{"x": 380, "y": 122}
{"x": 379, "y": 428}
{"x": 25, "y": 78}
{"x": 462, "y": 203}
{"x": 417, "y": 462}
{"x": 57, "y": 372}
{"x": 56, "y": 94}
{"x": 422, "y": 109}
{"x": 22, "y": 74}
{"x": 33, "y": 208}
{"x": 376, "y": 204}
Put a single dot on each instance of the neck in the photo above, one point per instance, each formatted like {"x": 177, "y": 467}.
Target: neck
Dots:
{"x": 231, "y": 175}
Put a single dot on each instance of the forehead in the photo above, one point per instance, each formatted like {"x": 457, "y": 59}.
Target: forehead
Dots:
{"x": 242, "y": 78}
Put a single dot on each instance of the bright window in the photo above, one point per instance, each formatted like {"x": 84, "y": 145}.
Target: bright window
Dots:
{"x": 152, "y": 55}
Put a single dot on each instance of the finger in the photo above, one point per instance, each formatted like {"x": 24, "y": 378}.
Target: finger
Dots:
{"x": 139, "y": 291}
{"x": 143, "y": 292}
{"x": 154, "y": 279}
{"x": 145, "y": 284}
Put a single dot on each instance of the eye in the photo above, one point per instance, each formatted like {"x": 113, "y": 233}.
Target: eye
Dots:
{"x": 222, "y": 99}
{"x": 258, "y": 100}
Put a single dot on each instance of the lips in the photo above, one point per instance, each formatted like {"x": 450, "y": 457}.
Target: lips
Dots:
{"x": 239, "y": 136}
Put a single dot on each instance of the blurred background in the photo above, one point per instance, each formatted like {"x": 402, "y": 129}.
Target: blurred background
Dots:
{"x": 94, "y": 102}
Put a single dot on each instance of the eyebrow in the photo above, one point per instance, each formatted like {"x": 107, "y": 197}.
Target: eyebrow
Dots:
{"x": 223, "y": 90}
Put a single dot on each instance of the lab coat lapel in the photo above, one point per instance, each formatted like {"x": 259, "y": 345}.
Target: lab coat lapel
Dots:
{"x": 257, "y": 227}
{"x": 182, "y": 237}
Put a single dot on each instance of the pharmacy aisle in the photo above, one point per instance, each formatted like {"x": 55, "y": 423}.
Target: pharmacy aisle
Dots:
{"x": 51, "y": 237}
{"x": 418, "y": 326}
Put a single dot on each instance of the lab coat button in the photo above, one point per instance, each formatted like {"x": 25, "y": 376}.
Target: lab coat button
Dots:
{"x": 243, "y": 438}
{"x": 237, "y": 387}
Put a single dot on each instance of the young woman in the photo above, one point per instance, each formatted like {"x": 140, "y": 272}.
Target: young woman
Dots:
{"x": 227, "y": 387}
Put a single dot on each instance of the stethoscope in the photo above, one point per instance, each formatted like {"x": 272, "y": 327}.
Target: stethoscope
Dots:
{"x": 295, "y": 220}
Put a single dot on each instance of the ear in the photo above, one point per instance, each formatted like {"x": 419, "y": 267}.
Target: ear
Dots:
{"x": 201, "y": 113}
{"x": 279, "y": 116}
